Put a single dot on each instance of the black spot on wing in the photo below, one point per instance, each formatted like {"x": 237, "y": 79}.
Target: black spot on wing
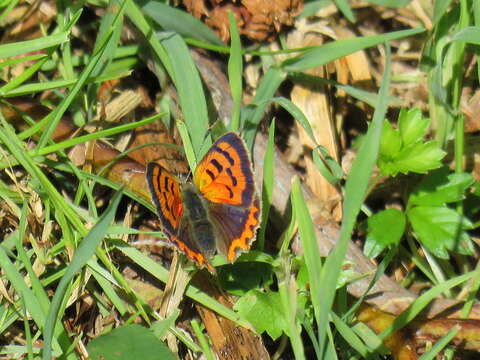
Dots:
{"x": 166, "y": 183}
{"x": 154, "y": 178}
{"x": 233, "y": 178}
{"x": 230, "y": 192}
{"x": 209, "y": 173}
{"x": 217, "y": 165}
{"x": 165, "y": 201}
{"x": 225, "y": 154}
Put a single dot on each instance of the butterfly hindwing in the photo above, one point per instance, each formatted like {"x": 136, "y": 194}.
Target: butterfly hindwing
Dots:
{"x": 235, "y": 227}
{"x": 225, "y": 173}
{"x": 166, "y": 196}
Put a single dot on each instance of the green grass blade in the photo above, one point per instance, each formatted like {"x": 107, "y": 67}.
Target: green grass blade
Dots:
{"x": 37, "y": 287}
{"x": 252, "y": 114}
{"x": 56, "y": 115}
{"x": 324, "y": 54}
{"x": 311, "y": 251}
{"x": 28, "y": 46}
{"x": 187, "y": 144}
{"x": 440, "y": 9}
{"x": 107, "y": 287}
{"x": 136, "y": 16}
{"x": 96, "y": 135}
{"x": 110, "y": 22}
{"x": 235, "y": 72}
{"x": 192, "y": 292}
{"x": 181, "y": 22}
{"x": 23, "y": 59}
{"x": 190, "y": 92}
{"x": 267, "y": 188}
{"x": 288, "y": 290}
{"x": 423, "y": 301}
{"x": 355, "y": 192}
{"x": 206, "y": 348}
{"x": 349, "y": 335}
{"x": 83, "y": 253}
{"x": 439, "y": 345}
{"x": 344, "y": 7}
{"x": 11, "y": 141}
{"x": 391, "y": 3}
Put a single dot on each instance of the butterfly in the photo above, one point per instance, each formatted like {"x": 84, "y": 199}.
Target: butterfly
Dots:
{"x": 218, "y": 212}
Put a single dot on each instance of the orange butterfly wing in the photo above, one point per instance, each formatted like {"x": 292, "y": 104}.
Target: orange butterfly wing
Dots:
{"x": 225, "y": 173}
{"x": 225, "y": 178}
{"x": 167, "y": 197}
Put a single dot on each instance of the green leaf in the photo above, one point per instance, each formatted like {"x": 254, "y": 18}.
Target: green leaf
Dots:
{"x": 391, "y": 142}
{"x": 129, "y": 342}
{"x": 412, "y": 125}
{"x": 441, "y": 228}
{"x": 263, "y": 311}
{"x": 241, "y": 277}
{"x": 384, "y": 228}
{"x": 403, "y": 150}
{"x": 441, "y": 187}
{"x": 418, "y": 158}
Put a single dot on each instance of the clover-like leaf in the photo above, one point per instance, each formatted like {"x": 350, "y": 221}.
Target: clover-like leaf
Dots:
{"x": 441, "y": 187}
{"x": 264, "y": 311}
{"x": 384, "y": 228}
{"x": 412, "y": 126}
{"x": 391, "y": 142}
{"x": 440, "y": 228}
{"x": 129, "y": 342}
{"x": 419, "y": 158}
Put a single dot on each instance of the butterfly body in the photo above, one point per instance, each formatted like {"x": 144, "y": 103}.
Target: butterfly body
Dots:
{"x": 220, "y": 211}
{"x": 196, "y": 221}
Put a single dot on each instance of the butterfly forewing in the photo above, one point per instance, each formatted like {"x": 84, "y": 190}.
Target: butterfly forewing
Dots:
{"x": 166, "y": 196}
{"x": 225, "y": 173}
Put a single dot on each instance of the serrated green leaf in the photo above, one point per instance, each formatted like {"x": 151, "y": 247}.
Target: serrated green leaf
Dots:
{"x": 241, "y": 277}
{"x": 129, "y": 342}
{"x": 264, "y": 311}
{"x": 419, "y": 158}
{"x": 441, "y": 187}
{"x": 391, "y": 142}
{"x": 441, "y": 228}
{"x": 384, "y": 228}
{"x": 412, "y": 126}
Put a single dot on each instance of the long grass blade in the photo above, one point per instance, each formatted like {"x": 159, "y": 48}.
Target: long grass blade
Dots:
{"x": 355, "y": 192}
{"x": 83, "y": 253}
